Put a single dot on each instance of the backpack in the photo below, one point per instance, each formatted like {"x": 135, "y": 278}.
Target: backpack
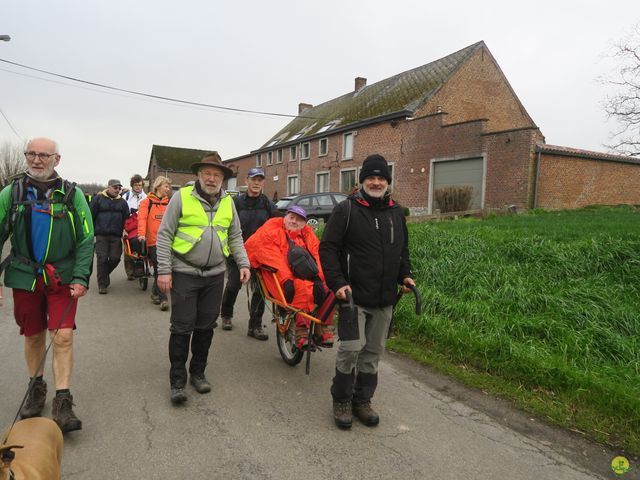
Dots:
{"x": 302, "y": 264}
{"x": 17, "y": 192}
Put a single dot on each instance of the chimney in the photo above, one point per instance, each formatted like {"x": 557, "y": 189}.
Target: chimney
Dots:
{"x": 361, "y": 82}
{"x": 303, "y": 106}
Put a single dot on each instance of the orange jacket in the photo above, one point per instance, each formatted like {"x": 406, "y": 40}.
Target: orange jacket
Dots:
{"x": 269, "y": 246}
{"x": 149, "y": 218}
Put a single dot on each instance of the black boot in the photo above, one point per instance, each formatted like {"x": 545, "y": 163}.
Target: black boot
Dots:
{"x": 200, "y": 343}
{"x": 342, "y": 393}
{"x": 178, "y": 354}
{"x": 365, "y": 387}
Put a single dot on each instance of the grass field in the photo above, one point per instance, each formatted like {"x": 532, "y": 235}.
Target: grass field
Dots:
{"x": 542, "y": 308}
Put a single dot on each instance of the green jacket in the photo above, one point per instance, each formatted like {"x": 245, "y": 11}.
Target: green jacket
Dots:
{"x": 70, "y": 241}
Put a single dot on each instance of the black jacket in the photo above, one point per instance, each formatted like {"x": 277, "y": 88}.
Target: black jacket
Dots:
{"x": 371, "y": 253}
{"x": 253, "y": 212}
{"x": 109, "y": 214}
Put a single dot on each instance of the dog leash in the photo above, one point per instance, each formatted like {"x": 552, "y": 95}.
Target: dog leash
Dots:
{"x": 40, "y": 366}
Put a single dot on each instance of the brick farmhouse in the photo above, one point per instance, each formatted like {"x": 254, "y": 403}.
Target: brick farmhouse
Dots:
{"x": 453, "y": 122}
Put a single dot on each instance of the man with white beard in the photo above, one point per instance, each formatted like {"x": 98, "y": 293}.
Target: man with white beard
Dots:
{"x": 199, "y": 230}
{"x": 51, "y": 232}
{"x": 364, "y": 251}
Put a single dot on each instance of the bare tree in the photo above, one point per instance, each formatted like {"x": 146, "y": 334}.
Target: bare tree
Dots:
{"x": 11, "y": 162}
{"x": 624, "y": 104}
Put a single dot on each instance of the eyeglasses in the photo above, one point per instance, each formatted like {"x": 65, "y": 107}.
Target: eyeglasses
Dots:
{"x": 41, "y": 155}
{"x": 116, "y": 187}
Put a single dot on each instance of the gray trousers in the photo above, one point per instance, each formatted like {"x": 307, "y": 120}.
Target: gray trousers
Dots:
{"x": 363, "y": 354}
{"x": 195, "y": 302}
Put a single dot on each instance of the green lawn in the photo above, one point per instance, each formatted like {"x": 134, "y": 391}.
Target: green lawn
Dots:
{"x": 542, "y": 308}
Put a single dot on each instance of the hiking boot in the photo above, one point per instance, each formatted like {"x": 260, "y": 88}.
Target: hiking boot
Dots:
{"x": 62, "y": 413}
{"x": 200, "y": 383}
{"x": 178, "y": 395}
{"x": 366, "y": 414}
{"x": 155, "y": 299}
{"x": 164, "y": 305}
{"x": 35, "y": 401}
{"x": 258, "y": 333}
{"x": 102, "y": 290}
{"x": 226, "y": 323}
{"x": 342, "y": 414}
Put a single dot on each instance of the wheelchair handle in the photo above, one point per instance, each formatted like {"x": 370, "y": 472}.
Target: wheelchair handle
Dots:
{"x": 416, "y": 293}
{"x": 143, "y": 248}
{"x": 350, "y": 299}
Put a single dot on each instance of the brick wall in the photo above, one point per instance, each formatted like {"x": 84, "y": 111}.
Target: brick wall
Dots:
{"x": 479, "y": 89}
{"x": 510, "y": 168}
{"x": 574, "y": 182}
{"x": 411, "y": 145}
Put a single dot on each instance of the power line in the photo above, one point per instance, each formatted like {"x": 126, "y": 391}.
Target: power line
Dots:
{"x": 10, "y": 126}
{"x": 117, "y": 94}
{"x": 148, "y": 95}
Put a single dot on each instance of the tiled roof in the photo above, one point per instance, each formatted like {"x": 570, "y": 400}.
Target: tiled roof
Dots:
{"x": 405, "y": 91}
{"x": 576, "y": 152}
{"x": 176, "y": 159}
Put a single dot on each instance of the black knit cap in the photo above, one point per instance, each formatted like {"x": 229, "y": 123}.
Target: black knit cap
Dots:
{"x": 375, "y": 165}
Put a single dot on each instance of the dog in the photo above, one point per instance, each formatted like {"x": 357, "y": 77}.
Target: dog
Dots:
{"x": 36, "y": 447}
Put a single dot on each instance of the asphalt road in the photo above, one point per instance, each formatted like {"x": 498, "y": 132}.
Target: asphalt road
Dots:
{"x": 266, "y": 420}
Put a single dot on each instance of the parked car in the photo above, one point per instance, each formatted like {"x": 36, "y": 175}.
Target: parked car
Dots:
{"x": 317, "y": 205}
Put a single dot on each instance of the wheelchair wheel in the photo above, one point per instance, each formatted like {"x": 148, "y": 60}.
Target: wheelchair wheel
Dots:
{"x": 144, "y": 283}
{"x": 287, "y": 345}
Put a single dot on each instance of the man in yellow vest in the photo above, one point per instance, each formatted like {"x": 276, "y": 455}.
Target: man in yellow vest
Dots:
{"x": 199, "y": 230}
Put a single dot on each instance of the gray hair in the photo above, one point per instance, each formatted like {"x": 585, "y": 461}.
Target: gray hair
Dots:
{"x": 56, "y": 149}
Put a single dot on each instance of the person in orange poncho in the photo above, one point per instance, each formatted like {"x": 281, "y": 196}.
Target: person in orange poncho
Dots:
{"x": 269, "y": 246}
{"x": 150, "y": 215}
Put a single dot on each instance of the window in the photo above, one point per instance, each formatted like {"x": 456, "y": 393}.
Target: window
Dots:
{"x": 322, "y": 182}
{"x": 347, "y": 180}
{"x": 292, "y": 185}
{"x": 347, "y": 146}
{"x": 293, "y": 153}
{"x": 326, "y": 127}
{"x": 259, "y": 160}
{"x": 307, "y": 202}
{"x": 323, "y": 147}
{"x": 269, "y": 158}
{"x": 305, "y": 151}
{"x": 279, "y": 156}
{"x": 324, "y": 201}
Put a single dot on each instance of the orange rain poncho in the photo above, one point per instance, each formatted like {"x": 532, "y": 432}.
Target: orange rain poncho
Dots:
{"x": 269, "y": 246}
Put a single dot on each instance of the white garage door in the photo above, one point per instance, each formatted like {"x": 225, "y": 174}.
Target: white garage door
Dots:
{"x": 459, "y": 173}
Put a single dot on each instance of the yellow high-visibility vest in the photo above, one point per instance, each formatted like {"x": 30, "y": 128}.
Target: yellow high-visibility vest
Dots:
{"x": 194, "y": 221}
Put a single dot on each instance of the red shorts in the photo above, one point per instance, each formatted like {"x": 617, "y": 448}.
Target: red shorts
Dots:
{"x": 43, "y": 308}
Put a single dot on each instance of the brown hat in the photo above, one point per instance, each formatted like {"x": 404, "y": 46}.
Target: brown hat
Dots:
{"x": 212, "y": 160}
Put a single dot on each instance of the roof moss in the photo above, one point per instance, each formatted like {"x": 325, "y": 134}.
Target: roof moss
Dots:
{"x": 176, "y": 159}
{"x": 405, "y": 91}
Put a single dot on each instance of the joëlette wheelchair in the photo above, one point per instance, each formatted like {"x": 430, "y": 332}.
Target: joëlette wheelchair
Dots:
{"x": 138, "y": 254}
{"x": 284, "y": 316}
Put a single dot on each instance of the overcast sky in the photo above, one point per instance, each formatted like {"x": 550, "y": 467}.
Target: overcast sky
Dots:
{"x": 271, "y": 55}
